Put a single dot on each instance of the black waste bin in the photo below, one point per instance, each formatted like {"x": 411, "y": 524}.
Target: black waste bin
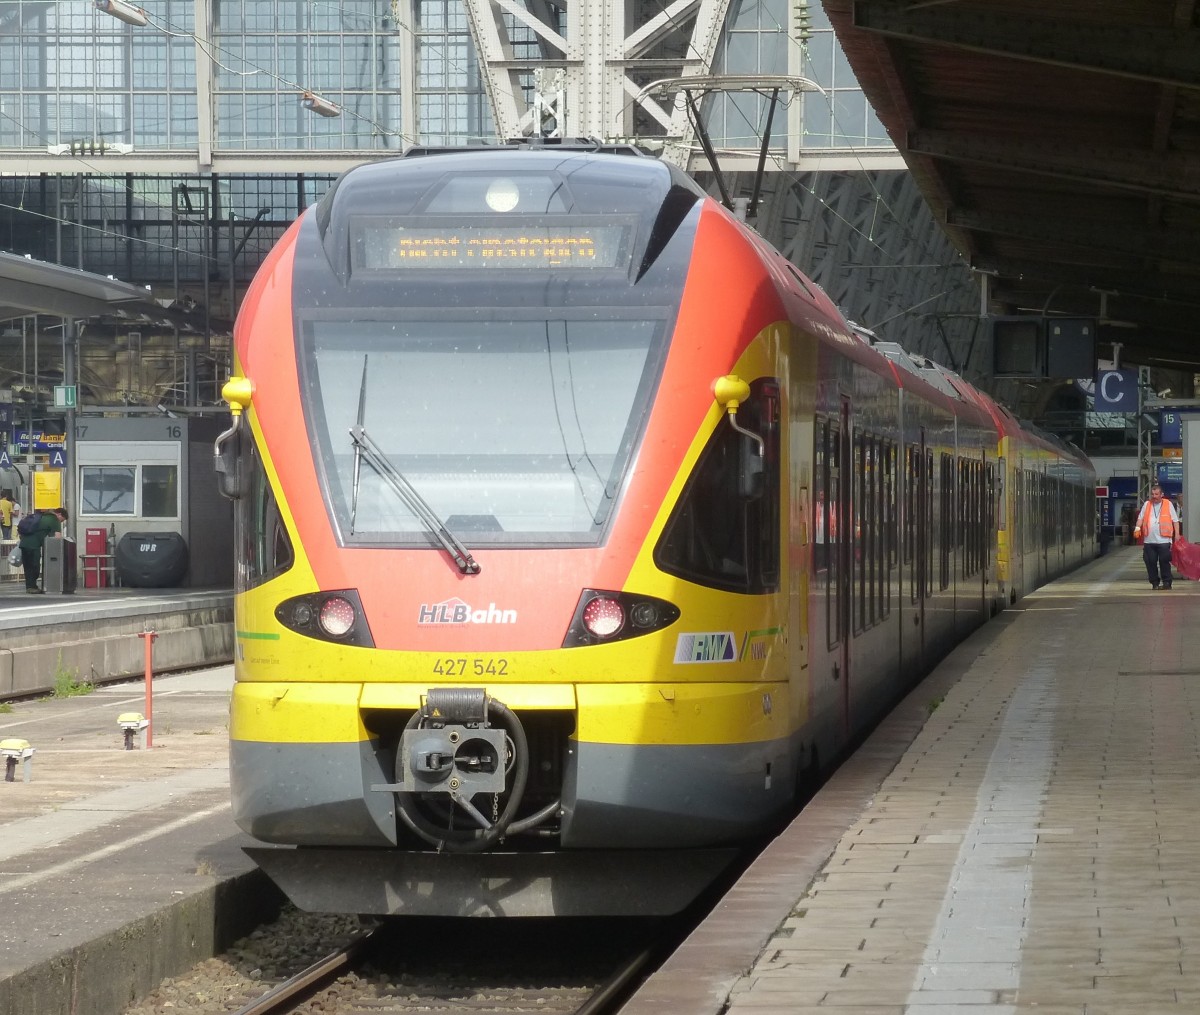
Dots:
{"x": 58, "y": 565}
{"x": 151, "y": 560}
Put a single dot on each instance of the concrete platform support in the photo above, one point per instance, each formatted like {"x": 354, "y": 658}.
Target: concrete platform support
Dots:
{"x": 114, "y": 970}
{"x": 97, "y": 642}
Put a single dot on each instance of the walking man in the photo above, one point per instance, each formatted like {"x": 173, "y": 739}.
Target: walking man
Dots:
{"x": 1158, "y": 528}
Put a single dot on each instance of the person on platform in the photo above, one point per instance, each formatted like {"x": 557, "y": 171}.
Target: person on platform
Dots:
{"x": 1157, "y": 527}
{"x": 50, "y": 523}
{"x": 8, "y": 512}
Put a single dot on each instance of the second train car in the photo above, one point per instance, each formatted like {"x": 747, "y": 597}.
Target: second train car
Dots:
{"x": 577, "y": 530}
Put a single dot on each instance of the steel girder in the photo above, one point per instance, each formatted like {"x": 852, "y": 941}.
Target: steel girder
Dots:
{"x": 584, "y": 79}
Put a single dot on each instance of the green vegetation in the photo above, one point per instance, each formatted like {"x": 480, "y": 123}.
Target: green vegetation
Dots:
{"x": 67, "y": 683}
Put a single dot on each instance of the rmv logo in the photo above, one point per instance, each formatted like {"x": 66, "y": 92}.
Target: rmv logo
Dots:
{"x": 715, "y": 647}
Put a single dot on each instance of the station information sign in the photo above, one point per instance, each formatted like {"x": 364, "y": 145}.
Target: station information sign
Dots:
{"x": 40, "y": 441}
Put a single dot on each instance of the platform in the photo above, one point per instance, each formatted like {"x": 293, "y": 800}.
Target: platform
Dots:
{"x": 1020, "y": 835}
{"x": 93, "y": 634}
{"x": 117, "y": 866}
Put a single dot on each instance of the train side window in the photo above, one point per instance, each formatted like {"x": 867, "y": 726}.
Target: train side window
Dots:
{"x": 820, "y": 523}
{"x": 912, "y": 468}
{"x": 891, "y": 523}
{"x": 259, "y": 531}
{"x": 875, "y": 547}
{"x": 967, "y": 516}
{"x": 724, "y": 532}
{"x": 945, "y": 518}
{"x": 990, "y": 521}
{"x": 1026, "y": 528}
{"x": 886, "y": 521}
{"x": 875, "y": 530}
{"x": 858, "y": 504}
{"x": 964, "y": 517}
{"x": 833, "y": 619}
{"x": 933, "y": 527}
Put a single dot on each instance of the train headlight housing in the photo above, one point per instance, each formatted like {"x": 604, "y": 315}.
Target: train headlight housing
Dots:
{"x": 602, "y": 617}
{"x": 328, "y": 616}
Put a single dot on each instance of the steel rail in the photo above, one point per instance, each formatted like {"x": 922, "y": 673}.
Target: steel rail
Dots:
{"x": 605, "y": 994}
{"x": 284, "y": 996}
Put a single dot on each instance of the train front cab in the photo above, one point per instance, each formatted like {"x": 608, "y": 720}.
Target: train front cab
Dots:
{"x": 642, "y": 768}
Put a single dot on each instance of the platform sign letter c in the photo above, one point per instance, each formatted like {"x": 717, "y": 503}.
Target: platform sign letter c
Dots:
{"x": 1116, "y": 391}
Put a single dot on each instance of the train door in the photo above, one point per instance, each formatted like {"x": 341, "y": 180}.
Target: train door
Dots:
{"x": 841, "y": 569}
{"x": 1019, "y": 529}
{"x": 919, "y": 542}
{"x": 1042, "y": 519}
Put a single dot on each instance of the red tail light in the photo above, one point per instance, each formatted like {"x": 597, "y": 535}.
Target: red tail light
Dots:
{"x": 603, "y": 617}
{"x": 336, "y": 617}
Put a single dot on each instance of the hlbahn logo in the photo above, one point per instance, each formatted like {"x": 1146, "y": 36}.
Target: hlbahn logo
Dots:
{"x": 455, "y": 611}
{"x": 714, "y": 647}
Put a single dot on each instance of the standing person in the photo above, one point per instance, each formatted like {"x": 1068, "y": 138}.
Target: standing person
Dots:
{"x": 6, "y": 513}
{"x": 1158, "y": 528}
{"x": 49, "y": 523}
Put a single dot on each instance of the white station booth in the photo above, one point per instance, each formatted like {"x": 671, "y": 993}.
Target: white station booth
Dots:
{"x": 150, "y": 479}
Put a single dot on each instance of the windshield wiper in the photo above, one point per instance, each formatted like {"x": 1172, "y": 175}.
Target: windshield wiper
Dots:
{"x": 362, "y": 408}
{"x": 366, "y": 448}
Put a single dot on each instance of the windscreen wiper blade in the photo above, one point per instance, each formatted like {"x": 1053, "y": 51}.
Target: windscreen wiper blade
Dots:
{"x": 366, "y": 448}
{"x": 362, "y": 410}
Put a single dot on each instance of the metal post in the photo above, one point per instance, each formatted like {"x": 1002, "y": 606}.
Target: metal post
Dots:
{"x": 70, "y": 347}
{"x": 149, "y": 636}
{"x": 1145, "y": 465}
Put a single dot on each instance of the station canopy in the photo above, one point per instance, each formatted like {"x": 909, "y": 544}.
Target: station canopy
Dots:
{"x": 30, "y": 287}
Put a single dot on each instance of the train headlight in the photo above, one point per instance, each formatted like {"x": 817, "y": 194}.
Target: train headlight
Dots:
{"x": 336, "y": 617}
{"x": 327, "y": 616}
{"x": 602, "y": 616}
{"x": 502, "y": 195}
{"x": 644, "y": 614}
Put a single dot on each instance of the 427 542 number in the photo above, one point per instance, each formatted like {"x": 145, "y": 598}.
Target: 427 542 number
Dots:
{"x": 460, "y": 666}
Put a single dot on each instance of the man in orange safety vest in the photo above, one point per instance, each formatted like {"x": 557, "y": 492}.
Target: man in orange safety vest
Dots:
{"x": 1157, "y": 527}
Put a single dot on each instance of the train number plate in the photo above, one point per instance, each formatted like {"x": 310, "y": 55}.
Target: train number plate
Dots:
{"x": 461, "y": 666}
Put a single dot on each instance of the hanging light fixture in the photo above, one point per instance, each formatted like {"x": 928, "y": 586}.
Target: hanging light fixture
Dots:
{"x": 318, "y": 105}
{"x": 123, "y": 11}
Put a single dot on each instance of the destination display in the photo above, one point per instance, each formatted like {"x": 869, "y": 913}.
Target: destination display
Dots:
{"x": 484, "y": 247}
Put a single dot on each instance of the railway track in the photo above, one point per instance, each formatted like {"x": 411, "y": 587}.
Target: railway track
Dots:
{"x": 343, "y": 988}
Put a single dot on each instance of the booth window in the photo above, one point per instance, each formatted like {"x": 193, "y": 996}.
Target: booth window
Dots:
{"x": 141, "y": 491}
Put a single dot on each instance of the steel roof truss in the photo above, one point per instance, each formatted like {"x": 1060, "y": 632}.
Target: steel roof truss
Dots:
{"x": 1173, "y": 174}
{"x": 1168, "y": 55}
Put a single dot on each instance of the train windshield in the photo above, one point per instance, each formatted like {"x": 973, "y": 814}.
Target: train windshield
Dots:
{"x": 513, "y": 432}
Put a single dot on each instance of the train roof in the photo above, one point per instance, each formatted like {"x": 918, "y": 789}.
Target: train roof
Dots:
{"x": 530, "y": 144}
{"x": 594, "y": 180}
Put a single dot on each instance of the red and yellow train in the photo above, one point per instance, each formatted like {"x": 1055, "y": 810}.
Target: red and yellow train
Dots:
{"x": 577, "y": 529}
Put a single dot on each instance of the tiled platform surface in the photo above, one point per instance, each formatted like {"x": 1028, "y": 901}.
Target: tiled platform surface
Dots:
{"x": 119, "y": 867}
{"x": 1035, "y": 847}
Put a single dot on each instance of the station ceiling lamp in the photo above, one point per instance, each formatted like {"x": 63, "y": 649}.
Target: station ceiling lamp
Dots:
{"x": 318, "y": 105}
{"x": 123, "y": 11}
